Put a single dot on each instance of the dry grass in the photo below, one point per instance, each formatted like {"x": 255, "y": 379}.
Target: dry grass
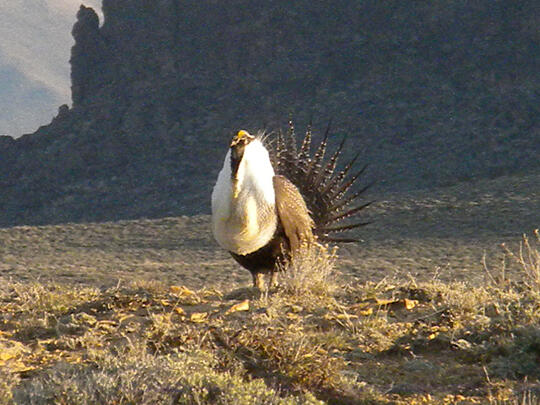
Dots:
{"x": 135, "y": 377}
{"x": 407, "y": 317}
{"x": 314, "y": 339}
{"x": 443, "y": 232}
{"x": 310, "y": 272}
{"x": 528, "y": 259}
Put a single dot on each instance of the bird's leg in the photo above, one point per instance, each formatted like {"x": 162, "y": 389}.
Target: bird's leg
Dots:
{"x": 258, "y": 281}
{"x": 273, "y": 279}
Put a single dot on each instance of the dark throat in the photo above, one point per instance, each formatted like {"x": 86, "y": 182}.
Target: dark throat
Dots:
{"x": 237, "y": 153}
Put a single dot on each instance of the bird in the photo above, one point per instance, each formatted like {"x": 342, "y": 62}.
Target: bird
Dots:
{"x": 272, "y": 198}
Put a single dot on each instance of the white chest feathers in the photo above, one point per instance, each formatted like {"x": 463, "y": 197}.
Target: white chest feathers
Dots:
{"x": 246, "y": 222}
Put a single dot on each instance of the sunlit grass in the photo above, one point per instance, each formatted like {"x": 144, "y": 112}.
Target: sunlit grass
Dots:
{"x": 315, "y": 338}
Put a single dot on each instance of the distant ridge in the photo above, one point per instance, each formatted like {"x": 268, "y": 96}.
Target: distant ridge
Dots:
{"x": 431, "y": 93}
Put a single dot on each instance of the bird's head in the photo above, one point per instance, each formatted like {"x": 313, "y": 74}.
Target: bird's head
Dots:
{"x": 238, "y": 146}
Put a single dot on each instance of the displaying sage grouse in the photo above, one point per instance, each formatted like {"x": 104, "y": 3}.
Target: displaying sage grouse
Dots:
{"x": 270, "y": 198}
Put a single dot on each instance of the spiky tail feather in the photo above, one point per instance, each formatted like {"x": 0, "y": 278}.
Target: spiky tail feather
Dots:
{"x": 329, "y": 194}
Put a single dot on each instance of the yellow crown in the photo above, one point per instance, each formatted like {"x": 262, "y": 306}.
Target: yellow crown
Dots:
{"x": 242, "y": 136}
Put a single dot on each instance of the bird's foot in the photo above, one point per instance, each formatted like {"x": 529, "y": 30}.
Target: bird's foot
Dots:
{"x": 258, "y": 281}
{"x": 273, "y": 279}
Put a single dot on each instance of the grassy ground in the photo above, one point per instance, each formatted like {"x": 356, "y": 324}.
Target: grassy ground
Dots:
{"x": 152, "y": 312}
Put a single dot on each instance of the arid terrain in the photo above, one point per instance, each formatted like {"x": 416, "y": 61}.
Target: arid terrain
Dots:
{"x": 439, "y": 302}
{"x": 422, "y": 310}
{"x": 441, "y": 234}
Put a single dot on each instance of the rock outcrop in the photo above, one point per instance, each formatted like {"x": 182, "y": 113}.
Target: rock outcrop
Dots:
{"x": 88, "y": 55}
{"x": 432, "y": 93}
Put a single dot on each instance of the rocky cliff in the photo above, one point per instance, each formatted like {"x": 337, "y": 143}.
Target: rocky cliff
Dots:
{"x": 432, "y": 92}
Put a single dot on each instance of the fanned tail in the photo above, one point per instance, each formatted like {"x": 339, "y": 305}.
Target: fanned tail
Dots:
{"x": 330, "y": 195}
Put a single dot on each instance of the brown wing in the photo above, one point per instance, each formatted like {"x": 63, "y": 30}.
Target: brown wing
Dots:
{"x": 328, "y": 192}
{"x": 292, "y": 212}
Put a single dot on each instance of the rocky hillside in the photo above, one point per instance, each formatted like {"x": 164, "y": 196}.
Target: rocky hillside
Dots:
{"x": 432, "y": 93}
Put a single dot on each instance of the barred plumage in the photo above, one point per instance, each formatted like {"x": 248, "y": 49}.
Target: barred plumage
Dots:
{"x": 271, "y": 196}
{"x": 329, "y": 195}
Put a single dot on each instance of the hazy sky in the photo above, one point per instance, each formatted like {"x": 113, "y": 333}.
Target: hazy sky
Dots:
{"x": 35, "y": 43}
